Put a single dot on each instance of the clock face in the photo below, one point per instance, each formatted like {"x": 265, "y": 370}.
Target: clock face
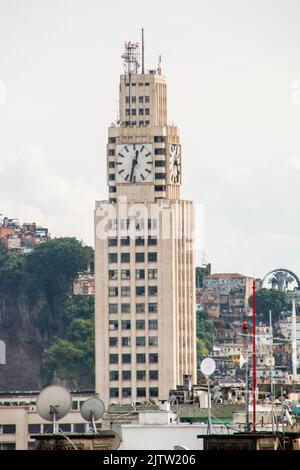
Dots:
{"x": 134, "y": 163}
{"x": 175, "y": 163}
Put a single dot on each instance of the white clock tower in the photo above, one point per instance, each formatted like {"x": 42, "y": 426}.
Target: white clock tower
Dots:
{"x": 144, "y": 250}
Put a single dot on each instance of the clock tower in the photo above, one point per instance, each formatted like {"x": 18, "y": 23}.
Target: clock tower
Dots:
{"x": 144, "y": 249}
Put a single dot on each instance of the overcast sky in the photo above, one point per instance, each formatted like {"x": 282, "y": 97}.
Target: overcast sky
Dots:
{"x": 233, "y": 71}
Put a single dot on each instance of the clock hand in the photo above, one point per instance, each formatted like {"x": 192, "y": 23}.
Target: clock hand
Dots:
{"x": 134, "y": 162}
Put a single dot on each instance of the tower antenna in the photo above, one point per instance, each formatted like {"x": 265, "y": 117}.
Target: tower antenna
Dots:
{"x": 143, "y": 52}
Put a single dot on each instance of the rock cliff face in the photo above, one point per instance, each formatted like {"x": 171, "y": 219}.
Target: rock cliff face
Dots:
{"x": 24, "y": 345}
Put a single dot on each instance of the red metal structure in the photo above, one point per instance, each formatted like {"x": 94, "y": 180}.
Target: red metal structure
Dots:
{"x": 254, "y": 352}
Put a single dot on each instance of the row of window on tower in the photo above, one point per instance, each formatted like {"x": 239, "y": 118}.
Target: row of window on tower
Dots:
{"x": 139, "y": 341}
{"x": 138, "y": 99}
{"x": 126, "y": 325}
{"x": 141, "y": 112}
{"x": 127, "y": 374}
{"x": 126, "y": 392}
{"x": 140, "y": 358}
{"x": 126, "y": 291}
{"x": 157, "y": 151}
{"x": 125, "y": 241}
{"x": 156, "y": 138}
{"x": 139, "y": 307}
{"x": 125, "y": 257}
{"x": 113, "y": 274}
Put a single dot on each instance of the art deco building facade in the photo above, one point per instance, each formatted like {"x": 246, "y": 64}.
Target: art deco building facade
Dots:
{"x": 144, "y": 250}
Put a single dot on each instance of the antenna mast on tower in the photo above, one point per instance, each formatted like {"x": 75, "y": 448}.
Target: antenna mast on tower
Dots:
{"x": 131, "y": 57}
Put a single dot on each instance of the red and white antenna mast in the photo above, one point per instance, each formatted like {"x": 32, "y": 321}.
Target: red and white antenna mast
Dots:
{"x": 131, "y": 57}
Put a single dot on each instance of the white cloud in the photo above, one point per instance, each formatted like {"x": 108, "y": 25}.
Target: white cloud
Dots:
{"x": 30, "y": 192}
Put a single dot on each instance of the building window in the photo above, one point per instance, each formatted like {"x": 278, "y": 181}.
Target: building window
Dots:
{"x": 113, "y": 325}
{"x": 10, "y": 445}
{"x": 112, "y": 257}
{"x": 159, "y": 163}
{"x": 141, "y": 99}
{"x": 125, "y": 291}
{"x": 127, "y": 112}
{"x": 159, "y": 187}
{"x": 159, "y": 138}
{"x": 152, "y": 224}
{"x": 111, "y": 152}
{"x": 160, "y": 176}
{"x": 147, "y": 123}
{"x": 153, "y": 374}
{"x": 140, "y": 274}
{"x": 125, "y": 308}
{"x": 125, "y": 274}
{"x": 152, "y": 241}
{"x": 140, "y": 241}
{"x": 112, "y": 308}
{"x": 152, "y": 257}
{"x": 111, "y": 164}
{"x": 140, "y": 257}
{"x": 160, "y": 151}
{"x": 140, "y": 324}
{"x": 147, "y": 84}
{"x": 152, "y": 273}
{"x": 114, "y": 392}
{"x": 125, "y": 241}
{"x": 147, "y": 111}
{"x": 113, "y": 291}
{"x": 141, "y": 112}
{"x": 79, "y": 428}
{"x": 140, "y": 308}
{"x": 152, "y": 324}
{"x": 140, "y": 375}
{"x": 127, "y": 100}
{"x": 113, "y": 341}
{"x": 139, "y": 224}
{"x": 111, "y": 177}
{"x": 126, "y": 375}
{"x": 65, "y": 427}
{"x": 112, "y": 140}
{"x": 112, "y": 199}
{"x": 141, "y": 358}
{"x": 153, "y": 341}
{"x": 140, "y": 290}
{"x": 140, "y": 341}
{"x": 126, "y": 324}
{"x": 147, "y": 99}
{"x": 126, "y": 358}
{"x": 112, "y": 241}
{"x": 133, "y": 99}
{"x": 152, "y": 307}
{"x": 133, "y": 112}
{"x": 34, "y": 428}
{"x": 126, "y": 341}
{"x": 125, "y": 257}
{"x": 153, "y": 392}
{"x": 113, "y": 274}
{"x": 140, "y": 392}
{"x": 152, "y": 290}
{"x": 153, "y": 358}
{"x": 114, "y": 359}
{"x": 112, "y": 189}
{"x": 113, "y": 375}
{"x": 126, "y": 392}
{"x": 141, "y": 123}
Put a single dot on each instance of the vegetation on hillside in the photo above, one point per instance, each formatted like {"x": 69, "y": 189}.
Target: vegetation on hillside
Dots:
{"x": 270, "y": 299}
{"x": 43, "y": 279}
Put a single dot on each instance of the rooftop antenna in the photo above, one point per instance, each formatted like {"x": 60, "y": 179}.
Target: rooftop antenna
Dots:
{"x": 131, "y": 57}
{"x": 208, "y": 367}
{"x": 92, "y": 410}
{"x": 143, "y": 52}
{"x": 159, "y": 65}
{"x": 53, "y": 403}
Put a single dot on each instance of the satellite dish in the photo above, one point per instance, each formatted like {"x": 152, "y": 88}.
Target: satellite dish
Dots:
{"x": 92, "y": 410}
{"x": 241, "y": 361}
{"x": 208, "y": 366}
{"x": 53, "y": 403}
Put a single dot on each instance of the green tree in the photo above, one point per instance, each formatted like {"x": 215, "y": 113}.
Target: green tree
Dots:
{"x": 202, "y": 350}
{"x": 204, "y": 329}
{"x": 201, "y": 272}
{"x": 269, "y": 299}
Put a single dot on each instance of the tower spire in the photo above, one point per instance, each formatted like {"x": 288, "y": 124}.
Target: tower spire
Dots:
{"x": 143, "y": 52}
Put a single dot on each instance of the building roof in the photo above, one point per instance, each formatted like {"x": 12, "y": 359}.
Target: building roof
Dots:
{"x": 226, "y": 275}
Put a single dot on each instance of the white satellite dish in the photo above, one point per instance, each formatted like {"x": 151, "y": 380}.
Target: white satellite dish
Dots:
{"x": 92, "y": 410}
{"x": 208, "y": 366}
{"x": 241, "y": 361}
{"x": 53, "y": 403}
